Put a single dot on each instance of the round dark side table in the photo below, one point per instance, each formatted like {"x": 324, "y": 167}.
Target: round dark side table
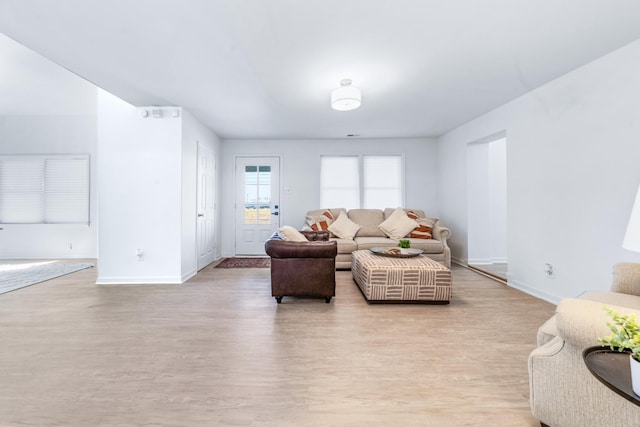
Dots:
{"x": 612, "y": 369}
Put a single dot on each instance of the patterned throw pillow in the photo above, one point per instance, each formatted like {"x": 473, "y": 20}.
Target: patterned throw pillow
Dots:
{"x": 424, "y": 230}
{"x": 322, "y": 222}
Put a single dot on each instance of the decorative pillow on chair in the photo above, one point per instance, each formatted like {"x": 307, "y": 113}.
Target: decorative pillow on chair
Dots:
{"x": 343, "y": 227}
{"x": 290, "y": 234}
{"x": 398, "y": 224}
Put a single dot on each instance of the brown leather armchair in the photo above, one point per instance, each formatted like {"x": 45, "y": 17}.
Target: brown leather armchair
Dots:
{"x": 303, "y": 268}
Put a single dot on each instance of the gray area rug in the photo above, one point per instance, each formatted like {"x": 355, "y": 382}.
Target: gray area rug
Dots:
{"x": 16, "y": 276}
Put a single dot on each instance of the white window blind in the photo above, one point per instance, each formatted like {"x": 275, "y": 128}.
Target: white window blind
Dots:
{"x": 339, "y": 182}
{"x": 381, "y": 181}
{"x": 44, "y": 189}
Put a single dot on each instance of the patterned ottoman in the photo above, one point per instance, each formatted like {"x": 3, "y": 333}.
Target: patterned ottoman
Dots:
{"x": 387, "y": 279}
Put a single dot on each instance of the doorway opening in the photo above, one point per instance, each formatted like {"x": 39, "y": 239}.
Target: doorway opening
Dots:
{"x": 487, "y": 205}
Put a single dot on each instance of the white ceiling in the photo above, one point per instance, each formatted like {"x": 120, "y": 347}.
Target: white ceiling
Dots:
{"x": 265, "y": 68}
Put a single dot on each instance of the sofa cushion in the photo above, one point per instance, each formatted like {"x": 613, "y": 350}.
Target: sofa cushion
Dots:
{"x": 428, "y": 246}
{"x": 369, "y": 219}
{"x": 290, "y": 234}
{"x": 398, "y": 224}
{"x": 343, "y": 227}
{"x": 373, "y": 242}
{"x": 613, "y": 298}
{"x": 345, "y": 246}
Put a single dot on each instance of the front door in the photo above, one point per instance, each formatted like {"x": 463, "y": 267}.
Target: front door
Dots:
{"x": 257, "y": 203}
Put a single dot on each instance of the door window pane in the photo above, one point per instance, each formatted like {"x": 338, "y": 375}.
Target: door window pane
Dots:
{"x": 257, "y": 204}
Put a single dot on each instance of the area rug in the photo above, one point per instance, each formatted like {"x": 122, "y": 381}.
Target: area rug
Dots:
{"x": 16, "y": 276}
{"x": 244, "y": 263}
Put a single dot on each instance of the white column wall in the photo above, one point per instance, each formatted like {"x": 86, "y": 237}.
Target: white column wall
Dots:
{"x": 572, "y": 175}
{"x": 139, "y": 190}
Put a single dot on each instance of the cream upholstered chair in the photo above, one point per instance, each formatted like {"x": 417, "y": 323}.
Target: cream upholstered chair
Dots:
{"x": 562, "y": 390}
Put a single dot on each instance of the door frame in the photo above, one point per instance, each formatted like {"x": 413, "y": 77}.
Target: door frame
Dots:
{"x": 235, "y": 187}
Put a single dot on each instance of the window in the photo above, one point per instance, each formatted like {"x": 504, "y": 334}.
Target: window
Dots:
{"x": 44, "y": 189}
{"x": 379, "y": 185}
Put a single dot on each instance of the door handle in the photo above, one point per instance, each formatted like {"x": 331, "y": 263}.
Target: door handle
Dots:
{"x": 200, "y": 215}
{"x": 275, "y": 213}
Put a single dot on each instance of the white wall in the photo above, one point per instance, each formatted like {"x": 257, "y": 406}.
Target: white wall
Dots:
{"x": 300, "y": 172}
{"x": 45, "y": 109}
{"x": 572, "y": 174}
{"x": 498, "y": 200}
{"x": 51, "y": 134}
{"x": 193, "y": 132}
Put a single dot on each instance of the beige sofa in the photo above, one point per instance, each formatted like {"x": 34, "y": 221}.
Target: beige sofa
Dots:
{"x": 562, "y": 390}
{"x": 370, "y": 235}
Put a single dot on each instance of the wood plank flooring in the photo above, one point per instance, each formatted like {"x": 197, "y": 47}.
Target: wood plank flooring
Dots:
{"x": 219, "y": 351}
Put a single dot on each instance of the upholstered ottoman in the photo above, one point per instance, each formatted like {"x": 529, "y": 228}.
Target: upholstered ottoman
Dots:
{"x": 386, "y": 279}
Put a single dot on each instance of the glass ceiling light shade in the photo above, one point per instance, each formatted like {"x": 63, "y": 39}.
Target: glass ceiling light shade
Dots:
{"x": 632, "y": 236}
{"x": 346, "y": 97}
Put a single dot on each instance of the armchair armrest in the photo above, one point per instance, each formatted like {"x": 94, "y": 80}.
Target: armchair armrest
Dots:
{"x": 286, "y": 249}
{"x": 626, "y": 278}
{"x": 581, "y": 322}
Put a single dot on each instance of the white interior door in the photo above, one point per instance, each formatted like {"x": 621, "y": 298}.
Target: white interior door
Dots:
{"x": 206, "y": 206}
{"x": 257, "y": 202}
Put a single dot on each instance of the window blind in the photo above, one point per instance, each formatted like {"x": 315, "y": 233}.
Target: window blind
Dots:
{"x": 339, "y": 182}
{"x": 379, "y": 185}
{"x": 382, "y": 182}
{"x": 44, "y": 189}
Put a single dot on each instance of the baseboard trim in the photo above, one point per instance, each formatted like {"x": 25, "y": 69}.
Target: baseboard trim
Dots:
{"x": 553, "y": 299}
{"x": 123, "y": 280}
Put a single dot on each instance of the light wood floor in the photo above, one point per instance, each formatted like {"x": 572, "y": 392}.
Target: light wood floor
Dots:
{"x": 218, "y": 350}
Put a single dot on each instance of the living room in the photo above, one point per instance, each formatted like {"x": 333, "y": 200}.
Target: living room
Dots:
{"x": 571, "y": 162}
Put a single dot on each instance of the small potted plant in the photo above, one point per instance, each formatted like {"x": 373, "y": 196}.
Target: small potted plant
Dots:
{"x": 404, "y": 244}
{"x": 625, "y": 338}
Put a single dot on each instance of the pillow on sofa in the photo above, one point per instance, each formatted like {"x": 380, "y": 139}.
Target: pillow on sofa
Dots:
{"x": 424, "y": 230}
{"x": 321, "y": 222}
{"x": 290, "y": 234}
{"x": 343, "y": 227}
{"x": 398, "y": 224}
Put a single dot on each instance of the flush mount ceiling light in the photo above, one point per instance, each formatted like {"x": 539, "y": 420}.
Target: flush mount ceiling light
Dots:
{"x": 346, "y": 97}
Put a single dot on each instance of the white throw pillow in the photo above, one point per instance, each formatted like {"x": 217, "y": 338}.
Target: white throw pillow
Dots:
{"x": 398, "y": 224}
{"x": 343, "y": 227}
{"x": 290, "y": 234}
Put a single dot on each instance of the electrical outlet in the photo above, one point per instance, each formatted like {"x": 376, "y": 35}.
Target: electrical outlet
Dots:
{"x": 548, "y": 268}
